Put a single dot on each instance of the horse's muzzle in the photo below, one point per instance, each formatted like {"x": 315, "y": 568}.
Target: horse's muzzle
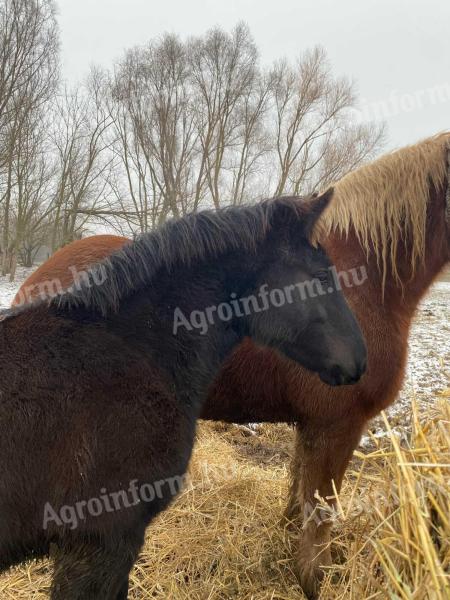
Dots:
{"x": 338, "y": 375}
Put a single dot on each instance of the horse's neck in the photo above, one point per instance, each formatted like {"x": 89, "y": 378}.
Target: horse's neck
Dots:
{"x": 162, "y": 316}
{"x": 385, "y": 321}
{"x": 395, "y": 300}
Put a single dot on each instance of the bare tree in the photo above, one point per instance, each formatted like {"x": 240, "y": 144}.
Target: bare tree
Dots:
{"x": 136, "y": 203}
{"x": 224, "y": 71}
{"x": 313, "y": 132}
{"x": 155, "y": 121}
{"x": 174, "y": 126}
{"x": 33, "y": 175}
{"x": 80, "y": 143}
{"x": 252, "y": 142}
{"x": 28, "y": 75}
{"x": 200, "y": 123}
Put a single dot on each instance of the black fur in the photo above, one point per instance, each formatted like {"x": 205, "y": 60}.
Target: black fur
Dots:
{"x": 96, "y": 391}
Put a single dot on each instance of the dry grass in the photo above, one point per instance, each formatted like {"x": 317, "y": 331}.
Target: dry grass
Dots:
{"x": 223, "y": 537}
{"x": 395, "y": 527}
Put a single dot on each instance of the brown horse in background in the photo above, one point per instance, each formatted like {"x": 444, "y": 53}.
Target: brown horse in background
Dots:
{"x": 66, "y": 266}
{"x": 390, "y": 217}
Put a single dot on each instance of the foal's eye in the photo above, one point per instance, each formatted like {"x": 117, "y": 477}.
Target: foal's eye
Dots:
{"x": 322, "y": 276}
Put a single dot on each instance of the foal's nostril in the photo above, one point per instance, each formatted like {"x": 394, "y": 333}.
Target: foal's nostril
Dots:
{"x": 337, "y": 374}
{"x": 358, "y": 372}
{"x": 349, "y": 375}
{"x": 361, "y": 368}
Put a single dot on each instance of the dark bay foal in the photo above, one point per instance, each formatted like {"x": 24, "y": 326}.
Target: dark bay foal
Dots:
{"x": 100, "y": 389}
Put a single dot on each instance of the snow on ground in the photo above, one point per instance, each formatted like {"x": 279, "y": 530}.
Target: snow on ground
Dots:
{"x": 429, "y": 345}
{"x": 8, "y": 289}
{"x": 428, "y": 370}
{"x": 428, "y": 367}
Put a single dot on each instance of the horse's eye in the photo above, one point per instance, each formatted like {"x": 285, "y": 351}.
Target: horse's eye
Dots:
{"x": 322, "y": 276}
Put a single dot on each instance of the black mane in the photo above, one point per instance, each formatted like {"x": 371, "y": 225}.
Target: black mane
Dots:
{"x": 183, "y": 241}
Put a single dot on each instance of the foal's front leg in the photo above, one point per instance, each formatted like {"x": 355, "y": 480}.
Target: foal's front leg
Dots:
{"x": 321, "y": 456}
{"x": 123, "y": 592}
{"x": 91, "y": 571}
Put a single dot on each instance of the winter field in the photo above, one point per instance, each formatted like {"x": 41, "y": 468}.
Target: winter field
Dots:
{"x": 223, "y": 538}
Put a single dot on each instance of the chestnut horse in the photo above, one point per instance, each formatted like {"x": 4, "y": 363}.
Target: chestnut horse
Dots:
{"x": 100, "y": 387}
{"x": 391, "y": 217}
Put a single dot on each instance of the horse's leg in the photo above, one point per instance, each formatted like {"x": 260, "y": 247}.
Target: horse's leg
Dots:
{"x": 321, "y": 456}
{"x": 92, "y": 571}
{"x": 123, "y": 593}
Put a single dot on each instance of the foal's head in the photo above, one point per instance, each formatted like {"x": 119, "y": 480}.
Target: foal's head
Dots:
{"x": 303, "y": 311}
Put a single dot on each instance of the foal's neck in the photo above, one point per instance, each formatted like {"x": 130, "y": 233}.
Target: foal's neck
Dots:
{"x": 186, "y": 341}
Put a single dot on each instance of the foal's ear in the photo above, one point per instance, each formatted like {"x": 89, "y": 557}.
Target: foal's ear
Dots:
{"x": 313, "y": 209}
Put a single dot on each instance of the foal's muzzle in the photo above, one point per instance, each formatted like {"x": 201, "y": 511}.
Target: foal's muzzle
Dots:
{"x": 339, "y": 375}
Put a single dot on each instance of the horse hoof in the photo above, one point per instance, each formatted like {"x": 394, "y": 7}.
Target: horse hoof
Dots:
{"x": 309, "y": 571}
{"x": 310, "y": 580}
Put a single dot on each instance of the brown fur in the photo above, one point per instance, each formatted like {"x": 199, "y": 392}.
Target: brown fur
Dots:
{"x": 388, "y": 216}
{"x": 56, "y": 271}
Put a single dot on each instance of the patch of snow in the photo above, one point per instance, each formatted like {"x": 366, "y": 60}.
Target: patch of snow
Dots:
{"x": 428, "y": 367}
{"x": 9, "y": 289}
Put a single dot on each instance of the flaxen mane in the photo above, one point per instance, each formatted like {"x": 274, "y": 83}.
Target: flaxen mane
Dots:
{"x": 386, "y": 200}
{"x": 178, "y": 242}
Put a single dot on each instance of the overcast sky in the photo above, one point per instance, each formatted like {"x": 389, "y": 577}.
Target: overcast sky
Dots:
{"x": 397, "y": 51}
